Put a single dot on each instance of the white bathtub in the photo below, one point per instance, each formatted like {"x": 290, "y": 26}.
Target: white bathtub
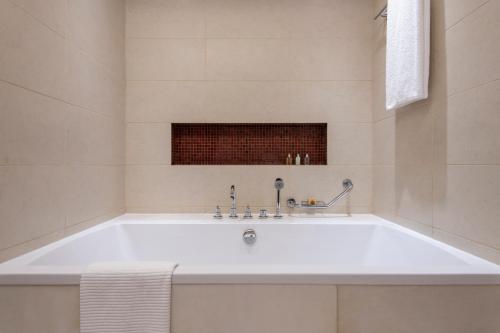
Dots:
{"x": 331, "y": 249}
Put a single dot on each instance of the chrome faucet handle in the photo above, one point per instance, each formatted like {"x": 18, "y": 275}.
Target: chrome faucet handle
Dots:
{"x": 218, "y": 213}
{"x": 232, "y": 211}
{"x": 233, "y": 192}
{"x": 263, "y": 214}
{"x": 248, "y": 213}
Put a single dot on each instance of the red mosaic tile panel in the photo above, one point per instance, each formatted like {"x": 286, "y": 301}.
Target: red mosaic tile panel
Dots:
{"x": 247, "y": 144}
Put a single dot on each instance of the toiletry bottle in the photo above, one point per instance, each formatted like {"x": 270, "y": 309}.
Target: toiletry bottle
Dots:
{"x": 289, "y": 160}
{"x": 306, "y": 160}
{"x": 297, "y": 159}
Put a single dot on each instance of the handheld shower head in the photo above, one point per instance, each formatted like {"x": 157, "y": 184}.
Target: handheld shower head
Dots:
{"x": 279, "y": 184}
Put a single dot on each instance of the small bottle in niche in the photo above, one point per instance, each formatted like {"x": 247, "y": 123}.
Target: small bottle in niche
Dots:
{"x": 297, "y": 159}
{"x": 306, "y": 160}
{"x": 289, "y": 160}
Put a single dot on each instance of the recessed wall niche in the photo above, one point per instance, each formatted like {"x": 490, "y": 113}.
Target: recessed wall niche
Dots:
{"x": 247, "y": 144}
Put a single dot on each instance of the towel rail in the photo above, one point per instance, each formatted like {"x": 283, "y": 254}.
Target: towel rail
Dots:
{"x": 348, "y": 186}
{"x": 381, "y": 13}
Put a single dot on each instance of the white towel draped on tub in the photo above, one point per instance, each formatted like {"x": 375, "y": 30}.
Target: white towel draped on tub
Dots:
{"x": 408, "y": 49}
{"x": 123, "y": 297}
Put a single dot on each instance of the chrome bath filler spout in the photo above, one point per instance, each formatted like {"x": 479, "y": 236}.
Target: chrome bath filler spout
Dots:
{"x": 279, "y": 184}
{"x": 232, "y": 210}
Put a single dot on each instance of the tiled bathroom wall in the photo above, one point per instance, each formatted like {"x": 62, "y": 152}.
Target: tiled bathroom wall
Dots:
{"x": 62, "y": 84}
{"x": 239, "y": 61}
{"x": 433, "y": 166}
{"x": 437, "y": 162}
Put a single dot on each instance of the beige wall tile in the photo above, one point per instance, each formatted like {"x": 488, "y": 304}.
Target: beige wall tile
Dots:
{"x": 176, "y": 101}
{"x": 440, "y": 309}
{"x": 232, "y": 307}
{"x": 248, "y": 59}
{"x": 165, "y": 19}
{"x": 94, "y": 139}
{"x": 32, "y": 127}
{"x": 439, "y": 25}
{"x": 148, "y": 143}
{"x": 97, "y": 28}
{"x": 472, "y": 126}
{"x": 313, "y": 309}
{"x": 379, "y": 45}
{"x": 350, "y": 143}
{"x": 329, "y": 59}
{"x": 327, "y": 19}
{"x": 94, "y": 86}
{"x": 93, "y": 191}
{"x": 21, "y": 248}
{"x": 279, "y": 19}
{"x": 414, "y": 134}
{"x": 208, "y": 186}
{"x": 384, "y": 142}
{"x": 27, "y": 246}
{"x": 200, "y": 186}
{"x": 248, "y": 101}
{"x": 52, "y": 13}
{"x": 414, "y": 163}
{"x": 417, "y": 226}
{"x": 475, "y": 248}
{"x": 32, "y": 204}
{"x": 473, "y": 49}
{"x": 467, "y": 203}
{"x": 379, "y": 110}
{"x": 414, "y": 192}
{"x": 384, "y": 186}
{"x": 240, "y": 19}
{"x": 331, "y": 101}
{"x": 52, "y": 309}
{"x": 165, "y": 186}
{"x": 165, "y": 59}
{"x": 34, "y": 56}
{"x": 456, "y": 10}
{"x": 112, "y": 213}
{"x": 415, "y": 309}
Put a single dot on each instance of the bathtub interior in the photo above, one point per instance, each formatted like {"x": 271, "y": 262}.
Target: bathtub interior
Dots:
{"x": 340, "y": 245}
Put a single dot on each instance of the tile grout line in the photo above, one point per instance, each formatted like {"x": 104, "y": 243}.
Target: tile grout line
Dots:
{"x": 40, "y": 21}
{"x": 466, "y": 16}
{"x": 64, "y": 36}
{"x": 56, "y": 99}
{"x": 263, "y": 123}
{"x": 337, "y": 292}
{"x": 472, "y": 88}
{"x": 54, "y": 232}
{"x": 244, "y": 80}
{"x": 467, "y": 239}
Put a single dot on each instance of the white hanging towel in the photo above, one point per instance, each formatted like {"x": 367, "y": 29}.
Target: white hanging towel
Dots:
{"x": 120, "y": 297}
{"x": 408, "y": 51}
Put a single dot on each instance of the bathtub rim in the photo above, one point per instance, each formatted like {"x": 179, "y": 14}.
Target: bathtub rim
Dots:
{"x": 480, "y": 272}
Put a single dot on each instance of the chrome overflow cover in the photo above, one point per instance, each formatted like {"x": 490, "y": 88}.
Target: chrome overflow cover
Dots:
{"x": 250, "y": 236}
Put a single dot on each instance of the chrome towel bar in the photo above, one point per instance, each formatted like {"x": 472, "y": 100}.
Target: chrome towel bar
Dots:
{"x": 381, "y": 13}
{"x": 348, "y": 186}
